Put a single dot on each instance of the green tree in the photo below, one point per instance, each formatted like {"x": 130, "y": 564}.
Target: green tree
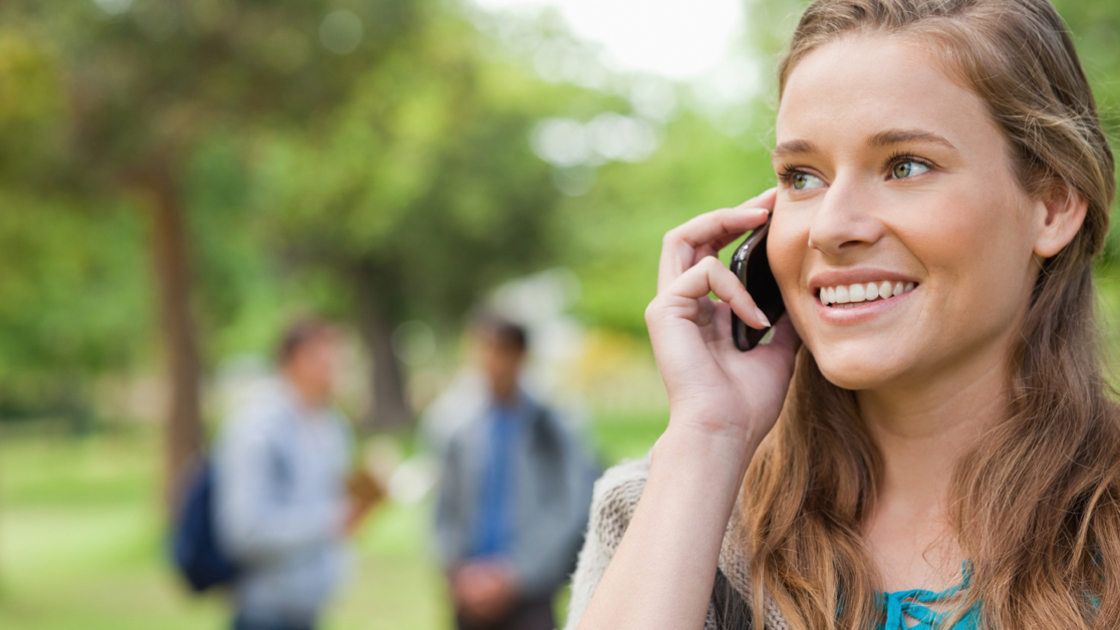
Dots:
{"x": 379, "y": 147}
{"x": 126, "y": 89}
{"x": 421, "y": 192}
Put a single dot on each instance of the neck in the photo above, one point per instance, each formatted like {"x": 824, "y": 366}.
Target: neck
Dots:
{"x": 308, "y": 395}
{"x": 505, "y": 393}
{"x": 922, "y": 430}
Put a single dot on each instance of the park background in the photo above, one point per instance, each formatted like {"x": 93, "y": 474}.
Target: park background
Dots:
{"x": 180, "y": 178}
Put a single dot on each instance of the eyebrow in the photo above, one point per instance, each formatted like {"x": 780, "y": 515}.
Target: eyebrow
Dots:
{"x": 900, "y": 136}
{"x": 882, "y": 139}
{"x": 793, "y": 147}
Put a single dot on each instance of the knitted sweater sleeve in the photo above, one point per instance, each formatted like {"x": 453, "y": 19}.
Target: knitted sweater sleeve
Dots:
{"x": 614, "y": 500}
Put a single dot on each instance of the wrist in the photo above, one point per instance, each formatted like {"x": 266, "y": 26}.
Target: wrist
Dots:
{"x": 718, "y": 457}
{"x": 690, "y": 430}
{"x": 720, "y": 419}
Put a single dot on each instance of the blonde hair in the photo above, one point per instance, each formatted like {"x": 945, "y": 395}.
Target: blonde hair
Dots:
{"x": 1037, "y": 501}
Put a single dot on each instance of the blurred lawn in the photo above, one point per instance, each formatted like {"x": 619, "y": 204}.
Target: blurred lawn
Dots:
{"x": 81, "y": 540}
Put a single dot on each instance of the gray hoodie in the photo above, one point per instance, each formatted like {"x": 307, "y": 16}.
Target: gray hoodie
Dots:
{"x": 280, "y": 471}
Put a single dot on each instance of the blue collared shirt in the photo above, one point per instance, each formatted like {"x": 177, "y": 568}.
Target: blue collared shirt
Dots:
{"x": 494, "y": 527}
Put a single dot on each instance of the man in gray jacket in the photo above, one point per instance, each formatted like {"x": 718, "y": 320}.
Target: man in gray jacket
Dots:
{"x": 282, "y": 512}
{"x": 513, "y": 499}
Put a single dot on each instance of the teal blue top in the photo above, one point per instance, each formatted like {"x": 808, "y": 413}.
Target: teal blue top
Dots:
{"x": 904, "y": 607}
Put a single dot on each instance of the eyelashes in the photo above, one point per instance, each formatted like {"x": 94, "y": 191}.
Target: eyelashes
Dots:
{"x": 786, "y": 172}
{"x": 898, "y": 157}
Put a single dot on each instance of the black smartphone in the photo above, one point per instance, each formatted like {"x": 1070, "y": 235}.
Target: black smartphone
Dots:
{"x": 750, "y": 265}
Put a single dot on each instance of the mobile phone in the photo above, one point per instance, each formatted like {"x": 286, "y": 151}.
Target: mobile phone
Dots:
{"x": 750, "y": 265}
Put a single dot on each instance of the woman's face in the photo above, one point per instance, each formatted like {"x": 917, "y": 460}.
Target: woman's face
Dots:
{"x": 894, "y": 177}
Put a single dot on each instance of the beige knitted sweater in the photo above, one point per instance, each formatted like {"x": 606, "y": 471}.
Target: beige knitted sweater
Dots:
{"x": 616, "y": 495}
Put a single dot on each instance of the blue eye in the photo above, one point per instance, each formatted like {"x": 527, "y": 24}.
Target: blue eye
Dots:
{"x": 802, "y": 181}
{"x": 909, "y": 168}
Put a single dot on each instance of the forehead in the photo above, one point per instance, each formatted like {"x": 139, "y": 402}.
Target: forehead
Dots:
{"x": 856, "y": 86}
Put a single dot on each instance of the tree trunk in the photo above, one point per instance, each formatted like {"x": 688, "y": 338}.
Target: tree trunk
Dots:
{"x": 184, "y": 438}
{"x": 390, "y": 408}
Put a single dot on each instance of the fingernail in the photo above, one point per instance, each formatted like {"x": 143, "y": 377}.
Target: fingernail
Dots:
{"x": 762, "y": 316}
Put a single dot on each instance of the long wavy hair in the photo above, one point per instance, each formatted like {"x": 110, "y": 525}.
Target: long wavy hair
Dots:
{"x": 1036, "y": 503}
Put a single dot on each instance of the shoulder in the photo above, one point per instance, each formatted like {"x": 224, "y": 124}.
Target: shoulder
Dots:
{"x": 461, "y": 403}
{"x": 341, "y": 424}
{"x": 615, "y": 498}
{"x": 260, "y": 417}
{"x": 555, "y": 428}
{"x": 614, "y": 501}
{"x": 266, "y": 402}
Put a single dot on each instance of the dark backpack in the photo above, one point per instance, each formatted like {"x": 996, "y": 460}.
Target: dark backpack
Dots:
{"x": 195, "y": 546}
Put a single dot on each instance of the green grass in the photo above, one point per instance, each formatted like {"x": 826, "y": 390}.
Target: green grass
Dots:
{"x": 82, "y": 541}
{"x": 81, "y": 537}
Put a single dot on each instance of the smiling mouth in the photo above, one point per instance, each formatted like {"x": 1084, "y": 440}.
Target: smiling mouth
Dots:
{"x": 852, "y": 295}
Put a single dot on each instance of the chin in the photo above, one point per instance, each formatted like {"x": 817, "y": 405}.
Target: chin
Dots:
{"x": 856, "y": 370}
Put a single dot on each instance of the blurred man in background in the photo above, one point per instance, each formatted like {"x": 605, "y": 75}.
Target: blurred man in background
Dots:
{"x": 281, "y": 467}
{"x": 514, "y": 494}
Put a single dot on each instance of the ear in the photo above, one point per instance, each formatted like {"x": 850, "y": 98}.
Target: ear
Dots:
{"x": 1059, "y": 217}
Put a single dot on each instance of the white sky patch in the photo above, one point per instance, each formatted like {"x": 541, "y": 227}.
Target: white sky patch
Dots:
{"x": 113, "y": 7}
{"x": 678, "y": 39}
{"x": 661, "y": 55}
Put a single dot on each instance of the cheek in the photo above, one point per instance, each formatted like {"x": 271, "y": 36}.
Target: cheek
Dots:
{"x": 974, "y": 248}
{"x": 949, "y": 226}
{"x": 973, "y": 238}
{"x": 786, "y": 248}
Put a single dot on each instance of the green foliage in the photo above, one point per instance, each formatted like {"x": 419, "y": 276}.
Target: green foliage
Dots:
{"x": 305, "y": 156}
{"x": 424, "y": 184}
{"x": 1096, "y": 33}
{"x": 150, "y": 75}
{"x": 71, "y": 299}
{"x": 31, "y": 103}
{"x": 616, "y": 230}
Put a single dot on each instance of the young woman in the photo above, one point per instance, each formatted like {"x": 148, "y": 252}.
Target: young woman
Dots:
{"x": 927, "y": 441}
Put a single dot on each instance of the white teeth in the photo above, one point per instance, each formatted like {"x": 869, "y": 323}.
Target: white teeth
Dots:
{"x": 858, "y": 293}
{"x": 855, "y": 292}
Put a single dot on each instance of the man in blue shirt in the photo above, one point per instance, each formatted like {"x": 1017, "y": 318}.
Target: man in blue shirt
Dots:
{"x": 282, "y": 512}
{"x": 514, "y": 496}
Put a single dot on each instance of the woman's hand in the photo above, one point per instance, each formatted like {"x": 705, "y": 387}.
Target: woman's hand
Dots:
{"x": 713, "y": 387}
{"x": 721, "y": 404}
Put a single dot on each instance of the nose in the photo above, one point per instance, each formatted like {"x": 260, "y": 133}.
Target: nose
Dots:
{"x": 844, "y": 222}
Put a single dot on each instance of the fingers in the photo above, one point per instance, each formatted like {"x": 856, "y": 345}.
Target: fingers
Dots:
{"x": 708, "y": 233}
{"x": 710, "y": 276}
